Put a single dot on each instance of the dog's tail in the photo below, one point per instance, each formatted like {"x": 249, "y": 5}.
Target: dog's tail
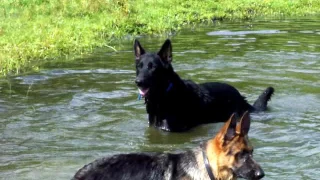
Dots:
{"x": 261, "y": 103}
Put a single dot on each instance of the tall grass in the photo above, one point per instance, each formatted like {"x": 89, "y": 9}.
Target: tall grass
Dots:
{"x": 33, "y": 31}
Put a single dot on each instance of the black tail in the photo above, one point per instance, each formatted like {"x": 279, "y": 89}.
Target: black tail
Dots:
{"x": 261, "y": 103}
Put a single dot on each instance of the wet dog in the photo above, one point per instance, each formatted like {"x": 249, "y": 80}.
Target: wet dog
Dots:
{"x": 174, "y": 104}
{"x": 227, "y": 156}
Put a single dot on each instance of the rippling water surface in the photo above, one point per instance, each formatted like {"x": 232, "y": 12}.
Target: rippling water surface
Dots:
{"x": 55, "y": 121}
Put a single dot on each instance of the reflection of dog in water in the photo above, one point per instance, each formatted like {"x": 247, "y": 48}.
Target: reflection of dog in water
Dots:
{"x": 227, "y": 156}
{"x": 174, "y": 104}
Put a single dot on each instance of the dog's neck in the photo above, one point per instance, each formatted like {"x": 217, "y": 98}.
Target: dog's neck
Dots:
{"x": 164, "y": 87}
{"x": 196, "y": 169}
{"x": 220, "y": 172}
{"x": 207, "y": 163}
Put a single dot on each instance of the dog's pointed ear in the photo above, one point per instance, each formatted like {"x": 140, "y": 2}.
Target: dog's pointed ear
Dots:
{"x": 228, "y": 131}
{"x": 244, "y": 125}
{"x": 138, "y": 50}
{"x": 165, "y": 52}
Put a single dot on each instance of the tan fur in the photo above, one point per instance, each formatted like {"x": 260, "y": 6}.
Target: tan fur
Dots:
{"x": 218, "y": 151}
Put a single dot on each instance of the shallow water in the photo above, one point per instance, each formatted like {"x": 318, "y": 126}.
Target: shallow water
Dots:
{"x": 55, "y": 121}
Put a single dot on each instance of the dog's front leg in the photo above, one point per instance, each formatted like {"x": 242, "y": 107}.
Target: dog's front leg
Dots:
{"x": 165, "y": 125}
{"x": 152, "y": 119}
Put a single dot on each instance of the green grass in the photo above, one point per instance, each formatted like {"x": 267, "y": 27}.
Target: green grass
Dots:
{"x": 34, "y": 31}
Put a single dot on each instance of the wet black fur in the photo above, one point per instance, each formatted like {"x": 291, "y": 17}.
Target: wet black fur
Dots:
{"x": 186, "y": 104}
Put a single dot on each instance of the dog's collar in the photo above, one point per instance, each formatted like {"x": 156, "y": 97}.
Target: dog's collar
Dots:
{"x": 167, "y": 90}
{"x": 169, "y": 87}
{"x": 207, "y": 164}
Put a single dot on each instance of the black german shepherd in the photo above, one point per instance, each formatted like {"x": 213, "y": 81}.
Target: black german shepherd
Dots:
{"x": 174, "y": 104}
{"x": 227, "y": 156}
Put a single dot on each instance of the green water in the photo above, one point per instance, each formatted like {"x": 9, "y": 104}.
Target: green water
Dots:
{"x": 67, "y": 115}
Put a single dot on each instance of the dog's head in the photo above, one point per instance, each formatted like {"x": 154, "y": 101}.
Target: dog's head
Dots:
{"x": 150, "y": 65}
{"x": 235, "y": 153}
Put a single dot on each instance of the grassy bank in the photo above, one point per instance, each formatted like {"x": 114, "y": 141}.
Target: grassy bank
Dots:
{"x": 32, "y": 31}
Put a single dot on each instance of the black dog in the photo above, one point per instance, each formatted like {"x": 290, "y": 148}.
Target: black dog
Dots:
{"x": 226, "y": 156}
{"x": 176, "y": 105}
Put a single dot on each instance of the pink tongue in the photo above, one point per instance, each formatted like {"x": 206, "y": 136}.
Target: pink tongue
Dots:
{"x": 143, "y": 92}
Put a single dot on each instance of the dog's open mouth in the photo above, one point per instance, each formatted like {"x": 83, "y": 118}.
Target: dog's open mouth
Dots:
{"x": 143, "y": 91}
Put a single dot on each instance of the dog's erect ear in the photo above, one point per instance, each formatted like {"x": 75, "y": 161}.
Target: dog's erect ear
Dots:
{"x": 244, "y": 125}
{"x": 231, "y": 131}
{"x": 165, "y": 52}
{"x": 228, "y": 131}
{"x": 138, "y": 50}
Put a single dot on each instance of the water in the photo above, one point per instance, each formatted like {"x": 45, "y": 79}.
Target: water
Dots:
{"x": 68, "y": 114}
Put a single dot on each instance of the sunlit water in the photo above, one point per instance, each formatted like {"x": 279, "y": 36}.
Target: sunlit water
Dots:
{"x": 68, "y": 114}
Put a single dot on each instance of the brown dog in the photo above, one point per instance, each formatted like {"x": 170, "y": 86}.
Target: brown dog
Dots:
{"x": 228, "y": 156}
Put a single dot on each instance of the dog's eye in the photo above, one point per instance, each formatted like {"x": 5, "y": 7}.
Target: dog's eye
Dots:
{"x": 150, "y": 65}
{"x": 140, "y": 65}
{"x": 242, "y": 154}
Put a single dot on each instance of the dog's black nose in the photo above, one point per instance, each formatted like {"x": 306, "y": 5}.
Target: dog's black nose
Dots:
{"x": 259, "y": 174}
{"x": 138, "y": 82}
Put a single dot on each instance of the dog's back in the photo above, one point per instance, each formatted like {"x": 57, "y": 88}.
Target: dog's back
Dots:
{"x": 135, "y": 166}
{"x": 123, "y": 166}
{"x": 225, "y": 100}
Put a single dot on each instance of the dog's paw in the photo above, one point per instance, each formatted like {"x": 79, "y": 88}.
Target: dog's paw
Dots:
{"x": 165, "y": 125}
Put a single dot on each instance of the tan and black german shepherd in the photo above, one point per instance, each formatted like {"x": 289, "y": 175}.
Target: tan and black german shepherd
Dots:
{"x": 227, "y": 156}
